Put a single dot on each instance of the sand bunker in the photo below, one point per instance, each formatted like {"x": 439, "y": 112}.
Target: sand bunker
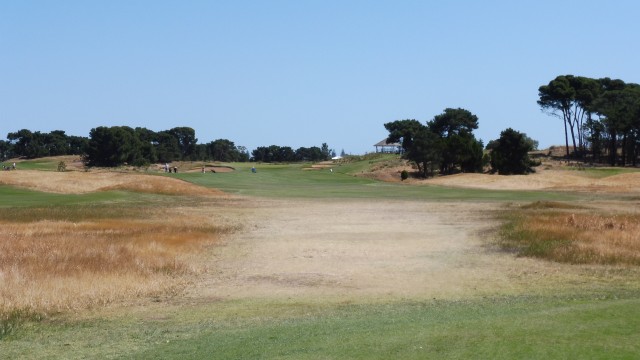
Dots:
{"x": 543, "y": 180}
{"x": 212, "y": 169}
{"x": 73, "y": 182}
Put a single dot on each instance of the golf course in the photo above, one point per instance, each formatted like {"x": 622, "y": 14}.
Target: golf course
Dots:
{"x": 340, "y": 260}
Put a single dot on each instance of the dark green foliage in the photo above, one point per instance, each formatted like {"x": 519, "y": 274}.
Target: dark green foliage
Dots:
{"x": 426, "y": 152}
{"x": 403, "y": 131}
{"x": 404, "y": 175}
{"x": 32, "y": 145}
{"x": 509, "y": 153}
{"x": 446, "y": 143}
{"x": 114, "y": 146}
{"x": 226, "y": 151}
{"x": 6, "y": 150}
{"x": 186, "y": 141}
{"x": 569, "y": 97}
{"x": 614, "y": 133}
{"x": 275, "y": 153}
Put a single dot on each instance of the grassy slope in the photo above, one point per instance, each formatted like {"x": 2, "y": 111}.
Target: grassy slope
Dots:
{"x": 570, "y": 326}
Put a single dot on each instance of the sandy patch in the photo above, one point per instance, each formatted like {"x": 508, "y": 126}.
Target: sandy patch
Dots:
{"x": 212, "y": 169}
{"x": 543, "y": 180}
{"x": 354, "y": 250}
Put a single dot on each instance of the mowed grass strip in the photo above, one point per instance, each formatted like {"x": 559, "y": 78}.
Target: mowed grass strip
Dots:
{"x": 558, "y": 233}
{"x": 283, "y": 180}
{"x": 502, "y": 328}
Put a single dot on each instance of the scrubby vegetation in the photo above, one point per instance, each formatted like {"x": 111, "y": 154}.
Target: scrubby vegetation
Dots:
{"x": 58, "y": 258}
{"x": 563, "y": 233}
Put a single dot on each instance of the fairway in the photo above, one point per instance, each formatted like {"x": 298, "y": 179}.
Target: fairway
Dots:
{"x": 297, "y": 264}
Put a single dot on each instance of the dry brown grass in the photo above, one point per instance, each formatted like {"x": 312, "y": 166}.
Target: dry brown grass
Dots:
{"x": 53, "y": 265}
{"x": 74, "y": 182}
{"x": 578, "y": 237}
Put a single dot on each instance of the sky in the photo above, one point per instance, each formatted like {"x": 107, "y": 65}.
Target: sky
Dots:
{"x": 301, "y": 73}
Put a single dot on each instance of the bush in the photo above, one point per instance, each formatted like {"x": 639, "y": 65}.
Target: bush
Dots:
{"x": 404, "y": 175}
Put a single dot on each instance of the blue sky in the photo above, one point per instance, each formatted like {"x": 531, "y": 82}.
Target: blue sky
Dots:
{"x": 300, "y": 73}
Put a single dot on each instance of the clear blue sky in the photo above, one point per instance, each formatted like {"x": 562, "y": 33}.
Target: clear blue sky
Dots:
{"x": 300, "y": 73}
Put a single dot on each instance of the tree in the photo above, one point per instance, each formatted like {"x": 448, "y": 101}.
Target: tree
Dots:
{"x": 570, "y": 97}
{"x": 6, "y": 150}
{"x": 312, "y": 154}
{"x": 619, "y": 106}
{"x": 326, "y": 152}
{"x": 186, "y": 138}
{"x": 148, "y": 141}
{"x": 460, "y": 148}
{"x": 167, "y": 147}
{"x": 113, "y": 146}
{"x": 403, "y": 131}
{"x": 223, "y": 150}
{"x": 453, "y": 122}
{"x": 446, "y": 142}
{"x": 24, "y": 143}
{"x": 426, "y": 152}
{"x": 509, "y": 153}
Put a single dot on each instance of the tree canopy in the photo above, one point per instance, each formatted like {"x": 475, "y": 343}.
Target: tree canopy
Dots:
{"x": 600, "y": 116}
{"x": 445, "y": 143}
{"x": 509, "y": 153}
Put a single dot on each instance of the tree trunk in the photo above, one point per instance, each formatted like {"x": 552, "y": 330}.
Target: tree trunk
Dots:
{"x": 623, "y": 159}
{"x": 566, "y": 137}
{"x": 613, "y": 151}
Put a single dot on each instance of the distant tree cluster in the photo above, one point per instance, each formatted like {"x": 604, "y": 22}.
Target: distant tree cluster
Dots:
{"x": 601, "y": 116}
{"x": 117, "y": 145}
{"x": 445, "y": 144}
{"x": 275, "y": 153}
{"x": 25, "y": 143}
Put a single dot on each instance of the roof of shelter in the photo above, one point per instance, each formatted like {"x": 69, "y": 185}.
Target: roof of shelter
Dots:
{"x": 385, "y": 142}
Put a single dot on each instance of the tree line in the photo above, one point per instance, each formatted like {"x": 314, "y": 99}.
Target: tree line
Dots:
{"x": 118, "y": 145}
{"x": 601, "y": 117}
{"x": 275, "y": 153}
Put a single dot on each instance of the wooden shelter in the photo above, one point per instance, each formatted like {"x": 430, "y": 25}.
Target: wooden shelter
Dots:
{"x": 387, "y": 147}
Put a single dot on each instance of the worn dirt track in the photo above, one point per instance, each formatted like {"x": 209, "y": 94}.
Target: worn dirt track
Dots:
{"x": 365, "y": 250}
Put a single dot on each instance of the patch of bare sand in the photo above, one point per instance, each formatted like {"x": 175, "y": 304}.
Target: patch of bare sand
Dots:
{"x": 367, "y": 250}
{"x": 561, "y": 180}
{"x": 74, "y": 182}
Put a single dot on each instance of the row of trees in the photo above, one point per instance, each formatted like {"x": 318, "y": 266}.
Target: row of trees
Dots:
{"x": 117, "y": 145}
{"x": 275, "y": 153}
{"x": 601, "y": 116}
{"x": 446, "y": 144}
{"x": 36, "y": 144}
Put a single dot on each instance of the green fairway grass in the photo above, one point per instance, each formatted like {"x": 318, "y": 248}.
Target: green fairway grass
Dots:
{"x": 594, "y": 327}
{"x": 43, "y": 164}
{"x": 600, "y": 173}
{"x": 292, "y": 181}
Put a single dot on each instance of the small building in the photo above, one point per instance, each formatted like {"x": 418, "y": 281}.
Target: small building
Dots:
{"x": 387, "y": 147}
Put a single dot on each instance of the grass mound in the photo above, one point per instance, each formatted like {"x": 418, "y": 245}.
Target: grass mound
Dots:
{"x": 74, "y": 182}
